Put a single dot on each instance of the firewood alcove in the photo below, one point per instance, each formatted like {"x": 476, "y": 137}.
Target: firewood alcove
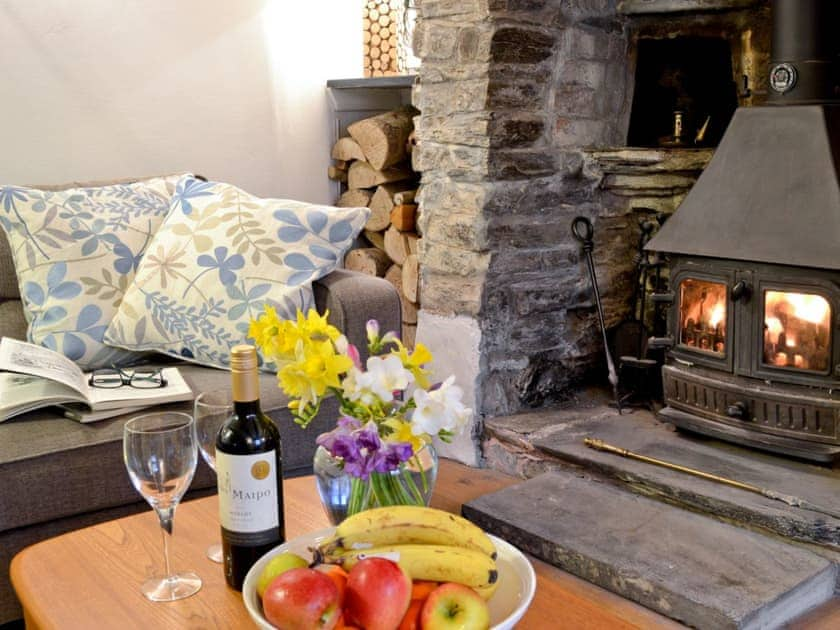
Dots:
{"x": 371, "y": 163}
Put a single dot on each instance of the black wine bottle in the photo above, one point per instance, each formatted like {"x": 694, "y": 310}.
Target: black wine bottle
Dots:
{"x": 249, "y": 466}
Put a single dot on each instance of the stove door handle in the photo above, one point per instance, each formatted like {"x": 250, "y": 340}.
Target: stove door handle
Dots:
{"x": 740, "y": 291}
{"x": 661, "y": 342}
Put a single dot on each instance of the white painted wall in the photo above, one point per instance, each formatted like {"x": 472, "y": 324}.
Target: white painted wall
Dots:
{"x": 232, "y": 89}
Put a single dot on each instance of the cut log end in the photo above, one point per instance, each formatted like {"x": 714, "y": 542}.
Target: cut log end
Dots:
{"x": 369, "y": 260}
{"x": 411, "y": 278}
{"x": 398, "y": 245}
{"x": 409, "y": 308}
{"x": 384, "y": 138}
{"x": 354, "y": 198}
{"x": 362, "y": 175}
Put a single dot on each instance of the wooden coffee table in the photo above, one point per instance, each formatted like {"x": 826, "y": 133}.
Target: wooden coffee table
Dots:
{"x": 91, "y": 578}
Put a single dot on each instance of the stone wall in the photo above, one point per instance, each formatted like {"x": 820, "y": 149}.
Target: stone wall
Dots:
{"x": 517, "y": 97}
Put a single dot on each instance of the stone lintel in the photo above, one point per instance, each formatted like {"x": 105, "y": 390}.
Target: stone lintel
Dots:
{"x": 635, "y": 7}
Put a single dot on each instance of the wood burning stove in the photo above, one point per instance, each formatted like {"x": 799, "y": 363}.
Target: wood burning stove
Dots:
{"x": 754, "y": 261}
{"x": 754, "y": 359}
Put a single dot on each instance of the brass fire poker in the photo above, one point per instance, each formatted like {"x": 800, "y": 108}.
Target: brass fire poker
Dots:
{"x": 600, "y": 445}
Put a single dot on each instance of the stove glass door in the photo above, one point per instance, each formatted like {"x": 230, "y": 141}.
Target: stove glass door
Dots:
{"x": 796, "y": 330}
{"x": 703, "y": 316}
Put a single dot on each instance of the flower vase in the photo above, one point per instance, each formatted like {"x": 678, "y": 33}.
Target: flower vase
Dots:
{"x": 342, "y": 494}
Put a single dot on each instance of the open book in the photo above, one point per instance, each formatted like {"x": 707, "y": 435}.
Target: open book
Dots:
{"x": 37, "y": 377}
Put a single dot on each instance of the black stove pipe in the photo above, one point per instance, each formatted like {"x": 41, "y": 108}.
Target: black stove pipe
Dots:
{"x": 805, "y": 56}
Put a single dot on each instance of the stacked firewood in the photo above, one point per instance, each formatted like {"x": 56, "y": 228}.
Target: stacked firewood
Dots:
{"x": 374, "y": 162}
{"x": 382, "y": 30}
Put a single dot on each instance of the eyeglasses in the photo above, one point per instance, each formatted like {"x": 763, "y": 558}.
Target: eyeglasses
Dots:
{"x": 141, "y": 378}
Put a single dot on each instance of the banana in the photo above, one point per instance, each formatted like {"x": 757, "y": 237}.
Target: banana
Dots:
{"x": 438, "y": 563}
{"x": 405, "y": 524}
{"x": 486, "y": 592}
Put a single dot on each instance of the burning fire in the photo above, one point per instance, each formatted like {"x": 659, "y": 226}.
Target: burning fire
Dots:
{"x": 718, "y": 315}
{"x": 796, "y": 330}
{"x": 796, "y": 325}
{"x": 703, "y": 315}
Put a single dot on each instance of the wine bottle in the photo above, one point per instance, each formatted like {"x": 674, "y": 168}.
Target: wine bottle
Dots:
{"x": 249, "y": 469}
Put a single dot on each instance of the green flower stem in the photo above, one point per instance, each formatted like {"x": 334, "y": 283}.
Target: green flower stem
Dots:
{"x": 383, "y": 489}
{"x": 412, "y": 487}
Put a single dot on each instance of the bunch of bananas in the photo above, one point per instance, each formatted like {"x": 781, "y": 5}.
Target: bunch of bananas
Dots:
{"x": 429, "y": 544}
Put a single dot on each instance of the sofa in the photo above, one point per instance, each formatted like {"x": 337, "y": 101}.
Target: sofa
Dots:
{"x": 59, "y": 475}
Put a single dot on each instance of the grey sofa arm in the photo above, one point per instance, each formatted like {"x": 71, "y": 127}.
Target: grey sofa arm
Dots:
{"x": 352, "y": 299}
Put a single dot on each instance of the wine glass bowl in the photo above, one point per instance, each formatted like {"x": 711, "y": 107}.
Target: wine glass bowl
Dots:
{"x": 161, "y": 454}
{"x": 211, "y": 411}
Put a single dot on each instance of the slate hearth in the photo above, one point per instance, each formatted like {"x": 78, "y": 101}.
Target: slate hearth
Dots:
{"x": 659, "y": 537}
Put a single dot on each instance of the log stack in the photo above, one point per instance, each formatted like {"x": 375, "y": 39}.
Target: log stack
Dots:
{"x": 382, "y": 33}
{"x": 374, "y": 163}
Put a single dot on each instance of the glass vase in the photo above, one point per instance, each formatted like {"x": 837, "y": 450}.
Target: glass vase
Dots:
{"x": 342, "y": 494}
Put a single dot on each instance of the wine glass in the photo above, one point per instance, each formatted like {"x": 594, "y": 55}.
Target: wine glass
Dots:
{"x": 212, "y": 409}
{"x": 160, "y": 455}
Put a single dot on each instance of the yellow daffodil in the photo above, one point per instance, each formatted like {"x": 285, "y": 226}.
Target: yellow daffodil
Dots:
{"x": 276, "y": 338}
{"x": 414, "y": 362}
{"x": 316, "y": 367}
{"x": 401, "y": 432}
{"x": 264, "y": 331}
{"x": 315, "y": 327}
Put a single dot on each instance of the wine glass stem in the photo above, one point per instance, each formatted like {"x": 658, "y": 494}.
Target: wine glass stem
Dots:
{"x": 166, "y": 516}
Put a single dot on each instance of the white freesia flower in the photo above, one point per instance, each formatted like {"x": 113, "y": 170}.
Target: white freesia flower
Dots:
{"x": 356, "y": 388}
{"x": 440, "y": 409}
{"x": 385, "y": 375}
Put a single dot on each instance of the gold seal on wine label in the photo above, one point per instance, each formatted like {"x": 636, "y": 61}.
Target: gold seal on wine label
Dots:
{"x": 243, "y": 367}
{"x": 260, "y": 469}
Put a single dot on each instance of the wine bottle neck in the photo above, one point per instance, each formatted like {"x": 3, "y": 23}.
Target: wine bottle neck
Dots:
{"x": 245, "y": 386}
{"x": 245, "y": 408}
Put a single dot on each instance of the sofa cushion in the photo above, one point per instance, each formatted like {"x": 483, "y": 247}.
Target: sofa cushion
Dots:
{"x": 85, "y": 460}
{"x": 8, "y": 281}
{"x": 75, "y": 253}
{"x": 220, "y": 255}
{"x": 12, "y": 321}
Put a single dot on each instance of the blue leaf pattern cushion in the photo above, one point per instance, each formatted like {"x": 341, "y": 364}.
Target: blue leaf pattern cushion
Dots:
{"x": 218, "y": 258}
{"x": 76, "y": 252}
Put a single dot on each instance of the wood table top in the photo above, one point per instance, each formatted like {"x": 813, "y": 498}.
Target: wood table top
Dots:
{"x": 90, "y": 578}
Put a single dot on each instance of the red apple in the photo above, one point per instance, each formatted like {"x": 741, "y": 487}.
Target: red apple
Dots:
{"x": 302, "y": 599}
{"x": 453, "y": 605}
{"x": 378, "y": 594}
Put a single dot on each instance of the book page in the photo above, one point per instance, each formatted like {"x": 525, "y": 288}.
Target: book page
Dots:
{"x": 20, "y": 393}
{"x": 19, "y": 356}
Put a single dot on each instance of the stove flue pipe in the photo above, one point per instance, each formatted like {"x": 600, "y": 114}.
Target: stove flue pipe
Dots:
{"x": 805, "y": 56}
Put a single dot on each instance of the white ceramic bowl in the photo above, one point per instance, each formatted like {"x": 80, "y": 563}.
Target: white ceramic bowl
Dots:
{"x": 517, "y": 581}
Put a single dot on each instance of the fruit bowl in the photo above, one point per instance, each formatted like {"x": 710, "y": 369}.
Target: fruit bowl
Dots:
{"x": 517, "y": 581}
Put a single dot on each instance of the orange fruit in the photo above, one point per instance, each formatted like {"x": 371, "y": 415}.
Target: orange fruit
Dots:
{"x": 411, "y": 619}
{"x": 420, "y": 589}
{"x": 338, "y": 576}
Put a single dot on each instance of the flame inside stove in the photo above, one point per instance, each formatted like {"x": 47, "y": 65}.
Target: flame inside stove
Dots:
{"x": 796, "y": 330}
{"x": 703, "y": 315}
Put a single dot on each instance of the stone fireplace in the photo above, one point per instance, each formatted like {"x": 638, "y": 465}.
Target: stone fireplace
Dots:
{"x": 528, "y": 108}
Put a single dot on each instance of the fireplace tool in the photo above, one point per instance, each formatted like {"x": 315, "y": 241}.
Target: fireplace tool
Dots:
{"x": 582, "y": 230}
{"x": 600, "y": 445}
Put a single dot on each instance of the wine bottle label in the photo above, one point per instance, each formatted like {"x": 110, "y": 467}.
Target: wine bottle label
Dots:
{"x": 248, "y": 500}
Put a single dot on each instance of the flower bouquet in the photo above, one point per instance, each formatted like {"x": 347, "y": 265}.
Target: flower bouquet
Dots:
{"x": 389, "y": 409}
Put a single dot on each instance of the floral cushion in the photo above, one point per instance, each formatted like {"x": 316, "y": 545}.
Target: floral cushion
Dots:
{"x": 75, "y": 253}
{"x": 219, "y": 257}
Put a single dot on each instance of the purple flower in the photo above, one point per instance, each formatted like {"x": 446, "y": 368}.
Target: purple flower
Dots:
{"x": 392, "y": 455}
{"x": 359, "y": 447}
